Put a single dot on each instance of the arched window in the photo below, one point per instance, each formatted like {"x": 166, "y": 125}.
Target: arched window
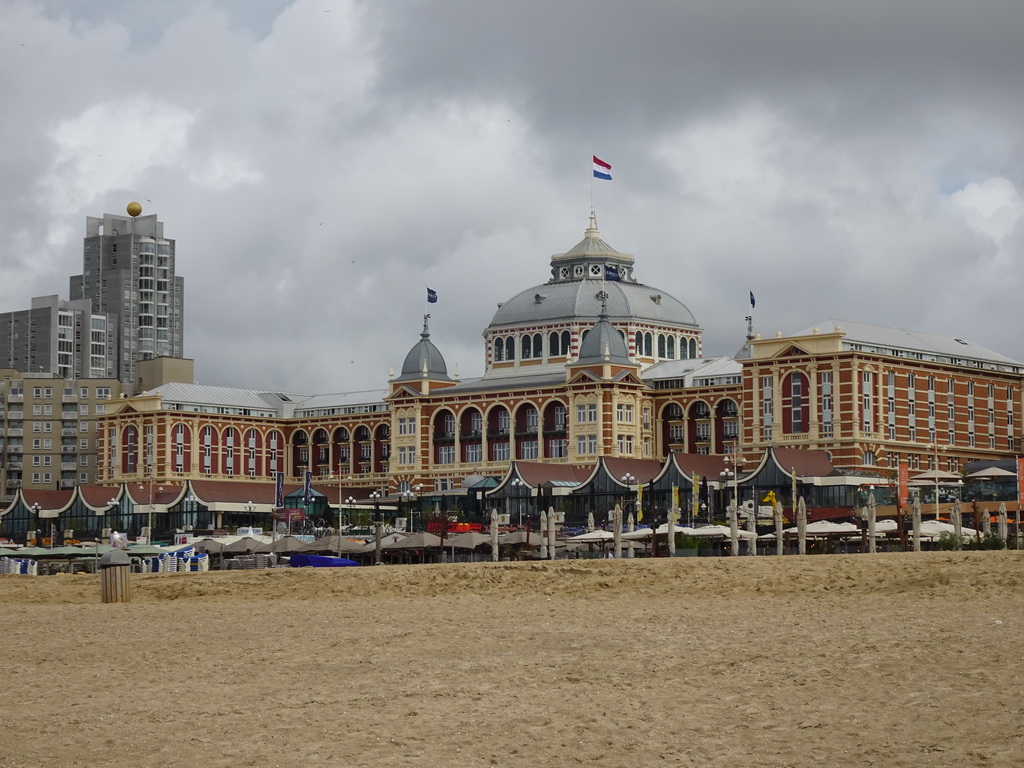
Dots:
{"x": 648, "y": 344}
{"x": 538, "y": 345}
{"x": 566, "y": 337}
{"x": 671, "y": 348}
{"x": 510, "y": 348}
{"x": 639, "y": 343}
{"x": 662, "y": 351}
{"x": 499, "y": 350}
{"x": 868, "y": 459}
{"x": 693, "y": 349}
{"x": 554, "y": 348}
{"x": 527, "y": 347}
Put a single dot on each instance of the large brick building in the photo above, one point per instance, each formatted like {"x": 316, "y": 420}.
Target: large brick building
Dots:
{"x": 590, "y": 365}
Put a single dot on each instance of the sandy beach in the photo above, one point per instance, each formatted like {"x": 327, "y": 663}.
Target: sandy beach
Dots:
{"x": 861, "y": 660}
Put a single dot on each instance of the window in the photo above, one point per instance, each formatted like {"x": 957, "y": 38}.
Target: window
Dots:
{"x": 586, "y": 413}
{"x": 558, "y": 448}
{"x": 825, "y": 382}
{"x": 624, "y": 413}
{"x": 767, "y": 409}
{"x": 499, "y": 452}
{"x": 625, "y": 444}
{"x": 83, "y": 410}
{"x": 474, "y": 453}
{"x": 586, "y": 444}
{"x": 529, "y": 449}
{"x": 83, "y": 444}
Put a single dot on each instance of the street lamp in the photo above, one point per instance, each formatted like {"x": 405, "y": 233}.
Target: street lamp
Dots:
{"x": 934, "y": 448}
{"x": 36, "y": 509}
{"x": 517, "y": 484}
{"x": 733, "y": 465}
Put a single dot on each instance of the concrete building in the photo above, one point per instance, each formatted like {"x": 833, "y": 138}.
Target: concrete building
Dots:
{"x": 63, "y": 338}
{"x": 48, "y": 431}
{"x": 128, "y": 273}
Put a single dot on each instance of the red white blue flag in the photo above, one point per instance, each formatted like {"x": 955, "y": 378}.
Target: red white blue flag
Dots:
{"x": 601, "y": 169}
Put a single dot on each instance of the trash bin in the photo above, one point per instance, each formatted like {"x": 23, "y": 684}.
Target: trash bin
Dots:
{"x": 115, "y": 570}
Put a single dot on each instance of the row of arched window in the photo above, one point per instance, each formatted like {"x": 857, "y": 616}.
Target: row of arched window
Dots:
{"x": 666, "y": 346}
{"x": 530, "y": 346}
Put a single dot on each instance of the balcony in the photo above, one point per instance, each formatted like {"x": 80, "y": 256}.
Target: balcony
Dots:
{"x": 68, "y": 466}
{"x": 16, "y": 397}
{"x": 68, "y": 449}
{"x": 470, "y": 434}
{"x": 14, "y": 466}
{"x": 67, "y": 484}
{"x": 499, "y": 433}
{"x": 15, "y": 432}
{"x": 68, "y": 432}
{"x": 14, "y": 449}
{"x": 69, "y": 398}
{"x": 444, "y": 437}
{"x": 14, "y": 483}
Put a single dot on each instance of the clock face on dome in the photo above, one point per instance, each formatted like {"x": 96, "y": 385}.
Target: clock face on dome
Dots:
{"x": 563, "y": 273}
{"x": 595, "y": 270}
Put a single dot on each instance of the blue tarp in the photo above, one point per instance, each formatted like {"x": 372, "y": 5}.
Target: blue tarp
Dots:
{"x": 319, "y": 561}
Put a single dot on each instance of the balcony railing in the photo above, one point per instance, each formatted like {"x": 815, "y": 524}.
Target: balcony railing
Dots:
{"x": 68, "y": 449}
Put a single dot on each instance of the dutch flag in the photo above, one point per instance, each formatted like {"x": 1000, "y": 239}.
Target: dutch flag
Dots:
{"x": 601, "y": 169}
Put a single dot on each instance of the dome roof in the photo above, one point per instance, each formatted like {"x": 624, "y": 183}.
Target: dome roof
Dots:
{"x": 603, "y": 344}
{"x": 578, "y": 276}
{"x": 424, "y": 360}
{"x": 578, "y": 299}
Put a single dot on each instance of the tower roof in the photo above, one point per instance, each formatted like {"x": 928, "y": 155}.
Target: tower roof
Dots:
{"x": 424, "y": 360}
{"x": 603, "y": 343}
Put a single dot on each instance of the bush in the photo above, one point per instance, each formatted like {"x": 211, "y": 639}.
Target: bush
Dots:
{"x": 949, "y": 541}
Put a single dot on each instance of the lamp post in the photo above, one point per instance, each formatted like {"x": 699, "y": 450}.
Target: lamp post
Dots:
{"x": 349, "y": 502}
{"x": 733, "y": 465}
{"x": 518, "y": 484}
{"x": 250, "y": 508}
{"x": 36, "y": 509}
{"x": 935, "y": 466}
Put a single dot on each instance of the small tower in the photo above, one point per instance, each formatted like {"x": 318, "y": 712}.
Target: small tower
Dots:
{"x": 424, "y": 366}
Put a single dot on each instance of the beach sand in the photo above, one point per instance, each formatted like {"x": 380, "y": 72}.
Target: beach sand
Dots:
{"x": 862, "y": 660}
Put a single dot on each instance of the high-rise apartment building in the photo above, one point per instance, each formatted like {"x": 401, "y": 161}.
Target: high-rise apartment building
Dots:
{"x": 128, "y": 272}
{"x": 66, "y": 338}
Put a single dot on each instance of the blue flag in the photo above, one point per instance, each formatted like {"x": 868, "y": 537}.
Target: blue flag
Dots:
{"x": 431, "y": 296}
{"x": 279, "y": 491}
{"x": 751, "y": 299}
{"x": 611, "y": 272}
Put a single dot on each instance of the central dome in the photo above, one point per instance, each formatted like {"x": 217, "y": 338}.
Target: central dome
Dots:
{"x": 541, "y": 327}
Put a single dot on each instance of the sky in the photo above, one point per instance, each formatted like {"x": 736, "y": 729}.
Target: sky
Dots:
{"x": 320, "y": 164}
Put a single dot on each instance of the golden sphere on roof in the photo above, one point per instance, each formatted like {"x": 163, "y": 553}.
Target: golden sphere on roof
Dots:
{"x": 134, "y": 209}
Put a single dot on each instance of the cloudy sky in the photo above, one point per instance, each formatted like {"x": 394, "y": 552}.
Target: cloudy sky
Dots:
{"x": 320, "y": 163}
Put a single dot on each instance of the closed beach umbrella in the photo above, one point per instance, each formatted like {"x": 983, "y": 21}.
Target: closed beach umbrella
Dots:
{"x": 671, "y": 532}
{"x": 801, "y": 526}
{"x": 543, "y": 535}
{"x": 752, "y": 528}
{"x": 630, "y": 528}
{"x": 917, "y": 523}
{"x": 551, "y": 532}
{"x": 777, "y": 514}
{"x": 871, "y": 521}
{"x": 734, "y": 534}
{"x": 957, "y": 519}
{"x": 617, "y": 530}
{"x": 494, "y": 535}
{"x": 590, "y": 521}
{"x": 1002, "y": 520}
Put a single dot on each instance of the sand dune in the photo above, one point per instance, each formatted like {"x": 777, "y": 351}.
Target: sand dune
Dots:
{"x": 864, "y": 660}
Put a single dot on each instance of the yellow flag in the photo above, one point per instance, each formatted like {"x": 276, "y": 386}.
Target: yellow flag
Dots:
{"x": 639, "y": 503}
